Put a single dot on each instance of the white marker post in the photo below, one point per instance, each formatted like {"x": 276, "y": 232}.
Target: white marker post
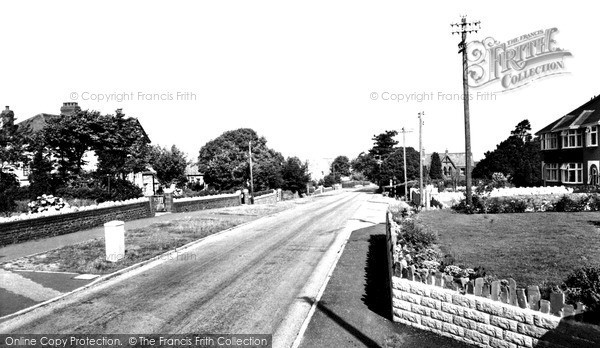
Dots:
{"x": 114, "y": 238}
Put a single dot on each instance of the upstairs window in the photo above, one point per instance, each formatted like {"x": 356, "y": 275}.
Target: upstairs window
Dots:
{"x": 591, "y": 136}
{"x": 571, "y": 138}
{"x": 549, "y": 141}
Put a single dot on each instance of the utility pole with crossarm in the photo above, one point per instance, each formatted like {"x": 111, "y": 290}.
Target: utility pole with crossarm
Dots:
{"x": 465, "y": 27}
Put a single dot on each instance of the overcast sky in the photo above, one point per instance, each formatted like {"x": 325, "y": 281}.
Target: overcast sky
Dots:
{"x": 301, "y": 74}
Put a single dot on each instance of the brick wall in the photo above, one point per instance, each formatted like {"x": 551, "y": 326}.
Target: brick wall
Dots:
{"x": 201, "y": 203}
{"x": 479, "y": 320}
{"x": 24, "y": 230}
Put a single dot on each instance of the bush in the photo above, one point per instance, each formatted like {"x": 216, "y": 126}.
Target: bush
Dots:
{"x": 414, "y": 235}
{"x": 515, "y": 206}
{"x": 47, "y": 203}
{"x": 8, "y": 187}
{"x": 568, "y": 204}
{"x": 583, "y": 285}
{"x": 477, "y": 207}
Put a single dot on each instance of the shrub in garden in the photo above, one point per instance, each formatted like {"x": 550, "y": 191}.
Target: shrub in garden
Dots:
{"x": 477, "y": 207}
{"x": 47, "y": 203}
{"x": 416, "y": 236}
{"x": 583, "y": 285}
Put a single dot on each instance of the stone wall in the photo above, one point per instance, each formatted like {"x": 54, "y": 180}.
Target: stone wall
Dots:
{"x": 509, "y": 321}
{"x": 54, "y": 225}
{"x": 270, "y": 198}
{"x": 208, "y": 202}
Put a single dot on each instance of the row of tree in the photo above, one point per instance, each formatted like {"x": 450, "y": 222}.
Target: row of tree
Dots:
{"x": 518, "y": 157}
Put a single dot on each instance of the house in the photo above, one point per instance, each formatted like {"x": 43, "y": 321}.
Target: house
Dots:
{"x": 146, "y": 180}
{"x": 452, "y": 163}
{"x": 194, "y": 176}
{"x": 570, "y": 153}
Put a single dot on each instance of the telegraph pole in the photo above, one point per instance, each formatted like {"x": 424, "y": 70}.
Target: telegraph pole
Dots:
{"x": 404, "y": 131}
{"x": 464, "y": 28}
{"x": 251, "y": 178}
{"x": 421, "y": 114}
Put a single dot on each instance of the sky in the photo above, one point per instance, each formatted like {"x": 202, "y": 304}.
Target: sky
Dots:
{"x": 301, "y": 74}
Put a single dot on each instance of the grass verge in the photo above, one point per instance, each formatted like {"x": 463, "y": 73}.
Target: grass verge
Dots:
{"x": 144, "y": 243}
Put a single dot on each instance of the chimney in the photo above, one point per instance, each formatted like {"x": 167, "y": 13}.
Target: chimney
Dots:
{"x": 7, "y": 108}
{"x": 69, "y": 108}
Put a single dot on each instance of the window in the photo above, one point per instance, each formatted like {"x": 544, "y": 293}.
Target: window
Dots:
{"x": 551, "y": 172}
{"x": 591, "y": 136}
{"x": 549, "y": 141}
{"x": 572, "y": 173}
{"x": 593, "y": 180}
{"x": 571, "y": 138}
{"x": 26, "y": 170}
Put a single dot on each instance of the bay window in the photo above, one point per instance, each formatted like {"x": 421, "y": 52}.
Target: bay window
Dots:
{"x": 572, "y": 173}
{"x": 551, "y": 172}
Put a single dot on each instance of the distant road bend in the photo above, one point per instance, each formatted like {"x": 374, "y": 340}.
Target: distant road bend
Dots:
{"x": 247, "y": 280}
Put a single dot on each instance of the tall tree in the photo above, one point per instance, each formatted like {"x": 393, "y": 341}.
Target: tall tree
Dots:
{"x": 225, "y": 161}
{"x": 12, "y": 140}
{"x": 384, "y": 144}
{"x": 522, "y": 131}
{"x": 341, "y": 165}
{"x": 393, "y": 166}
{"x": 295, "y": 175}
{"x": 169, "y": 164}
{"x": 122, "y": 147}
{"x": 435, "y": 167}
{"x": 69, "y": 137}
{"x": 518, "y": 157}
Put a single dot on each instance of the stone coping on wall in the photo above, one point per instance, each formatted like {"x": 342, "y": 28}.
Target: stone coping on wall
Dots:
{"x": 73, "y": 210}
{"x": 192, "y": 199}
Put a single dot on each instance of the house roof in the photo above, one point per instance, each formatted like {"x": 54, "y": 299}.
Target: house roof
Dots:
{"x": 39, "y": 122}
{"x": 458, "y": 159}
{"x": 36, "y": 123}
{"x": 192, "y": 169}
{"x": 583, "y": 116}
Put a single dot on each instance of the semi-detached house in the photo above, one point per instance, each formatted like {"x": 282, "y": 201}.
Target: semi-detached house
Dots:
{"x": 570, "y": 151}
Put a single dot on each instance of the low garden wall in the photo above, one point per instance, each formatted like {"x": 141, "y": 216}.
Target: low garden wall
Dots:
{"x": 496, "y": 315}
{"x": 27, "y": 229}
{"x": 270, "y": 198}
{"x": 201, "y": 203}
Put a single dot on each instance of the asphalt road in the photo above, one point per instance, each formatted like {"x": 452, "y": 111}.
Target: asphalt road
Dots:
{"x": 242, "y": 281}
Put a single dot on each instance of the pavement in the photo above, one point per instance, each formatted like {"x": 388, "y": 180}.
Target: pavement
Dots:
{"x": 354, "y": 310}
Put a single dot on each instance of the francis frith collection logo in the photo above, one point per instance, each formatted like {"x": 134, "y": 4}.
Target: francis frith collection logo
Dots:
{"x": 517, "y": 62}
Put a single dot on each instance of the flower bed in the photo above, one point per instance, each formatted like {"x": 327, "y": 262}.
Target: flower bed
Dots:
{"x": 573, "y": 202}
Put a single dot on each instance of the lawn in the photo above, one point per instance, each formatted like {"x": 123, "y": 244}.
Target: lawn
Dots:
{"x": 532, "y": 248}
{"x": 144, "y": 243}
